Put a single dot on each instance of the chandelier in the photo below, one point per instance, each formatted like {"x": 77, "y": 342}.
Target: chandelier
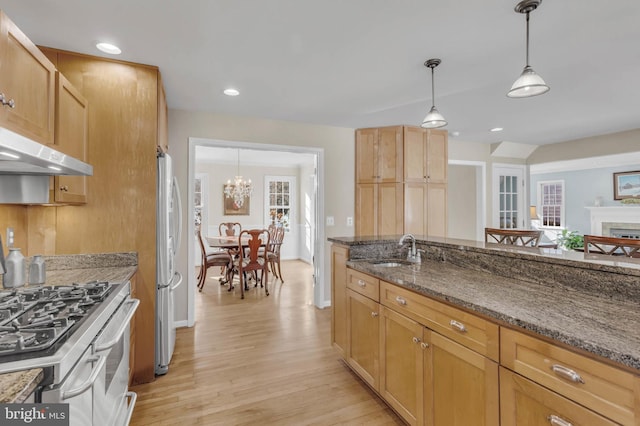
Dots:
{"x": 239, "y": 188}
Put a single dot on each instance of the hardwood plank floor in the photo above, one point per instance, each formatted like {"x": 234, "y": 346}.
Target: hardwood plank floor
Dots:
{"x": 259, "y": 361}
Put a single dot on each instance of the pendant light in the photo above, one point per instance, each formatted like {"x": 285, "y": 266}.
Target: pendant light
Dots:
{"x": 529, "y": 83}
{"x": 434, "y": 119}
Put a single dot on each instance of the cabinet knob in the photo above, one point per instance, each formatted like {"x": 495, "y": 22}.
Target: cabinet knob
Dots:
{"x": 558, "y": 421}
{"x": 64, "y": 188}
{"x": 424, "y": 345}
{"x": 458, "y": 326}
{"x": 362, "y": 283}
{"x": 567, "y": 373}
{"x": 415, "y": 340}
{"x": 374, "y": 314}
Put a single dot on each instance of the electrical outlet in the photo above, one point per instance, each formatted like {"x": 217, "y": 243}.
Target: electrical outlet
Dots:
{"x": 330, "y": 221}
{"x": 10, "y": 236}
{"x": 349, "y": 221}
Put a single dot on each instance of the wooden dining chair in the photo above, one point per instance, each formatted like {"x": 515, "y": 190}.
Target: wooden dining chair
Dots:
{"x": 229, "y": 229}
{"x": 273, "y": 253}
{"x": 251, "y": 259}
{"x": 516, "y": 237}
{"x": 212, "y": 258}
{"x": 629, "y": 247}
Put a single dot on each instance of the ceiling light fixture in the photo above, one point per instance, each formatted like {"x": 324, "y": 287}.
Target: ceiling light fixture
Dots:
{"x": 496, "y": 129}
{"x": 529, "y": 83}
{"x": 433, "y": 119}
{"x": 109, "y": 48}
{"x": 239, "y": 189}
{"x": 231, "y": 92}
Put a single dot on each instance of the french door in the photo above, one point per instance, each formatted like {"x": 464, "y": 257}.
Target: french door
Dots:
{"x": 508, "y": 196}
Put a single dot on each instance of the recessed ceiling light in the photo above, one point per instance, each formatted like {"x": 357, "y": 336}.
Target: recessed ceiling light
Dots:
{"x": 109, "y": 48}
{"x": 455, "y": 133}
{"x": 231, "y": 92}
{"x": 496, "y": 129}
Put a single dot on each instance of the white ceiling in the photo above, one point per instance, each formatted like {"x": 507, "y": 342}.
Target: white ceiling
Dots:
{"x": 359, "y": 63}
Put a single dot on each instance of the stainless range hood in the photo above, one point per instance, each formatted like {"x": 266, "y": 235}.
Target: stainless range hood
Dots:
{"x": 25, "y": 167}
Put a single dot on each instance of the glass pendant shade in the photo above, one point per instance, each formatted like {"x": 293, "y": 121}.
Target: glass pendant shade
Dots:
{"x": 433, "y": 119}
{"x": 528, "y": 84}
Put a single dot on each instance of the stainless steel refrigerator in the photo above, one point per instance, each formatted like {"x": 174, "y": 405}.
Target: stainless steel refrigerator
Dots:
{"x": 169, "y": 224}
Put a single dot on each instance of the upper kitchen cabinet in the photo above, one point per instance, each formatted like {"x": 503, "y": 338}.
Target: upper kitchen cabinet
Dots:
{"x": 425, "y": 155}
{"x": 163, "y": 118}
{"x": 379, "y": 155}
{"x": 27, "y": 85}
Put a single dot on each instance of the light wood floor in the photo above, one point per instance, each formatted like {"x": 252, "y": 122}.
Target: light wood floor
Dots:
{"x": 259, "y": 361}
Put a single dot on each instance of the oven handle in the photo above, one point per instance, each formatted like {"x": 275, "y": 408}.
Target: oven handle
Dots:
{"x": 102, "y": 347}
{"x": 132, "y": 403}
{"x": 102, "y": 359}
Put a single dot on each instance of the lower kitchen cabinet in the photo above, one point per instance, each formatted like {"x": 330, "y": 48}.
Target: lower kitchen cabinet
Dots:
{"x": 402, "y": 365}
{"x": 524, "y": 403}
{"x": 461, "y": 385}
{"x": 363, "y": 335}
{"x": 339, "y": 257}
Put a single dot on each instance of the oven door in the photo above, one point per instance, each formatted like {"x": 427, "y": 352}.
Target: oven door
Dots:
{"x": 112, "y": 404}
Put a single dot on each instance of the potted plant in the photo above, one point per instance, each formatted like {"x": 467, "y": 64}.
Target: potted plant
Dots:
{"x": 570, "y": 240}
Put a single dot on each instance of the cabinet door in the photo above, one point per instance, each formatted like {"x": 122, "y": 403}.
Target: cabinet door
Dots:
{"x": 524, "y": 403}
{"x": 389, "y": 155}
{"x": 390, "y": 209}
{"x": 71, "y": 139}
{"x": 436, "y": 209}
{"x": 366, "y": 155}
{"x": 401, "y": 365}
{"x": 163, "y": 118}
{"x": 461, "y": 386}
{"x": 363, "y": 335}
{"x": 415, "y": 213}
{"x": 415, "y": 154}
{"x": 437, "y": 156}
{"x": 27, "y": 77}
{"x": 366, "y": 209}
{"x": 339, "y": 256}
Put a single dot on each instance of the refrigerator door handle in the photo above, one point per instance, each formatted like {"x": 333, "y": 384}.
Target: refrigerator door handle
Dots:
{"x": 177, "y": 275}
{"x": 178, "y": 211}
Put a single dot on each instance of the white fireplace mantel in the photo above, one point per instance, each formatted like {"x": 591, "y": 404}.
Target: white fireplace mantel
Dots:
{"x": 615, "y": 214}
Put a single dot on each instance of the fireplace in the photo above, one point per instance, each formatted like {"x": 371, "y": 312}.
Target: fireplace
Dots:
{"x": 615, "y": 221}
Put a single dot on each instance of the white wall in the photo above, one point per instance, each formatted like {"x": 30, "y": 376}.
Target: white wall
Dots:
{"x": 462, "y": 201}
{"x": 339, "y": 160}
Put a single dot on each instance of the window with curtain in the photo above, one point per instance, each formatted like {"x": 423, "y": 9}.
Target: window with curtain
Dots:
{"x": 551, "y": 202}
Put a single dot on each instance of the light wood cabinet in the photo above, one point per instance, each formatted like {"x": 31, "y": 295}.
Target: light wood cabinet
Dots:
{"x": 27, "y": 80}
{"x": 363, "y": 335}
{"x": 339, "y": 256}
{"x": 425, "y": 209}
{"x": 524, "y": 403}
{"x": 425, "y": 155}
{"x": 379, "y": 155}
{"x": 379, "y": 209}
{"x": 402, "y": 365}
{"x": 607, "y": 390}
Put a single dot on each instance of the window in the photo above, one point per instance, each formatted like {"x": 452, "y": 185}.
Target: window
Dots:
{"x": 279, "y": 196}
{"x": 551, "y": 202}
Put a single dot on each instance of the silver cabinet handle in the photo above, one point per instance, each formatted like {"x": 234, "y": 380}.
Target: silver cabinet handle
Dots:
{"x": 123, "y": 326}
{"x": 458, "y": 326}
{"x": 424, "y": 345}
{"x": 567, "y": 373}
{"x": 89, "y": 382}
{"x": 133, "y": 397}
{"x": 374, "y": 314}
{"x": 362, "y": 283}
{"x": 415, "y": 340}
{"x": 10, "y": 103}
{"x": 400, "y": 300}
{"x": 558, "y": 421}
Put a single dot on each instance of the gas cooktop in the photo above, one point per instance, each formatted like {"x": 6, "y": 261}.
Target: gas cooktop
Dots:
{"x": 33, "y": 319}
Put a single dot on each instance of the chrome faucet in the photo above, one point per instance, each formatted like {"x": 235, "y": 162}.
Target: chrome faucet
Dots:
{"x": 412, "y": 255}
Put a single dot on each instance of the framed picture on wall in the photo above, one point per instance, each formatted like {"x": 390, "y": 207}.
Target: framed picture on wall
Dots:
{"x": 626, "y": 185}
{"x": 231, "y": 208}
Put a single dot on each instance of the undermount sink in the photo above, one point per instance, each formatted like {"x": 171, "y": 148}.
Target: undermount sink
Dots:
{"x": 391, "y": 263}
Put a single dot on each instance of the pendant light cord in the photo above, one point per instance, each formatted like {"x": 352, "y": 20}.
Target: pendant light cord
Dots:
{"x": 433, "y": 93}
{"x": 527, "y": 39}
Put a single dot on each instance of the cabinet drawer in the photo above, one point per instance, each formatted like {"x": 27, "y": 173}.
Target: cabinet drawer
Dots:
{"x": 467, "y": 329}
{"x": 605, "y": 389}
{"x": 524, "y": 402}
{"x": 363, "y": 284}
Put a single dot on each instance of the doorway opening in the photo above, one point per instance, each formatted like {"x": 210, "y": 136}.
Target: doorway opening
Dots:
{"x": 258, "y": 162}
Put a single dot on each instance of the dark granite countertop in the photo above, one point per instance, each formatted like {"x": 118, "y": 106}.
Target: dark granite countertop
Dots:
{"x": 600, "y": 325}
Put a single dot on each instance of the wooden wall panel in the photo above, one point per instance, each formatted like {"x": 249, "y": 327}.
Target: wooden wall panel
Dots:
{"x": 16, "y": 217}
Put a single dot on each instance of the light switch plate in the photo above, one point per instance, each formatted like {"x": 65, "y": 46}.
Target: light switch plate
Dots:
{"x": 330, "y": 221}
{"x": 349, "y": 221}
{"x": 10, "y": 236}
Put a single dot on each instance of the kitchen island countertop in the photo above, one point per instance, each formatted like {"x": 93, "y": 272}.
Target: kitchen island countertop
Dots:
{"x": 17, "y": 386}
